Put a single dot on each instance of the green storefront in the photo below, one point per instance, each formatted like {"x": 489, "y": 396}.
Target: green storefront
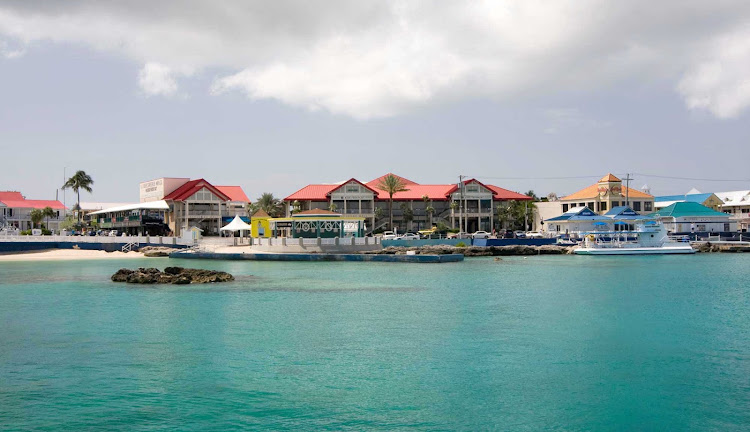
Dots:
{"x": 315, "y": 226}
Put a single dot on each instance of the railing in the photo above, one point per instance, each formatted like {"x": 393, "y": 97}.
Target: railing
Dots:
{"x": 95, "y": 239}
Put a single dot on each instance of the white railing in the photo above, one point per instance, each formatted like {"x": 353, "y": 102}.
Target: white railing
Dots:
{"x": 167, "y": 241}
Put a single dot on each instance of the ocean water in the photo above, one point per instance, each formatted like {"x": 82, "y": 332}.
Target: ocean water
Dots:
{"x": 563, "y": 343}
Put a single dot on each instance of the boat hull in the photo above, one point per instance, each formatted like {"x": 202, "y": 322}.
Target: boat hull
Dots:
{"x": 665, "y": 250}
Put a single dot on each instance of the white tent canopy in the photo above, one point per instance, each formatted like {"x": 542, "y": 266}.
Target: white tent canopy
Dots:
{"x": 237, "y": 224}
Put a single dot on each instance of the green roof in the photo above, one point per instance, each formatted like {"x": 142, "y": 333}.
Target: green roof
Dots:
{"x": 687, "y": 208}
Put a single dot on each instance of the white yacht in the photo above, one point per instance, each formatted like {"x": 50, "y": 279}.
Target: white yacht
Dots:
{"x": 648, "y": 238}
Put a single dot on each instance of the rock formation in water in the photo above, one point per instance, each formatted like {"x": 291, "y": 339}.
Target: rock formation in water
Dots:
{"x": 157, "y": 251}
{"x": 170, "y": 275}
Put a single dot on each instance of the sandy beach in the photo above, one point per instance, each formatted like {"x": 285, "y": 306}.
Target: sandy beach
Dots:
{"x": 68, "y": 254}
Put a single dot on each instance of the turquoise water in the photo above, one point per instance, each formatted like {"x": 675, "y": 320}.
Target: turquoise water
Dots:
{"x": 566, "y": 343}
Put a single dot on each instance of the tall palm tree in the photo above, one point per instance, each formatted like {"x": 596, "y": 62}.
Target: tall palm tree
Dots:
{"x": 454, "y": 205}
{"x": 80, "y": 180}
{"x": 36, "y": 216}
{"x": 392, "y": 185}
{"x": 47, "y": 212}
{"x": 269, "y": 204}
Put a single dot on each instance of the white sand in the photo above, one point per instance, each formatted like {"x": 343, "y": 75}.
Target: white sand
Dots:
{"x": 68, "y": 254}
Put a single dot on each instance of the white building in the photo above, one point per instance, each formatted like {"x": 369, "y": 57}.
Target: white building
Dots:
{"x": 15, "y": 211}
{"x": 737, "y": 204}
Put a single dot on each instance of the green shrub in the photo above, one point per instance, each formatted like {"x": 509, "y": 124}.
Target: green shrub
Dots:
{"x": 45, "y": 231}
{"x": 460, "y": 245}
{"x": 26, "y": 232}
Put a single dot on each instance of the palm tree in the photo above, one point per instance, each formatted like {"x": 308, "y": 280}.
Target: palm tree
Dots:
{"x": 430, "y": 210}
{"x": 47, "y": 212}
{"x": 408, "y": 214}
{"x": 296, "y": 207}
{"x": 36, "y": 216}
{"x": 269, "y": 204}
{"x": 454, "y": 206}
{"x": 504, "y": 214}
{"x": 80, "y": 180}
{"x": 392, "y": 185}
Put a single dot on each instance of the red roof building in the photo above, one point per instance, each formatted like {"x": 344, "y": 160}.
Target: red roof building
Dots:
{"x": 15, "y": 210}
{"x": 420, "y": 204}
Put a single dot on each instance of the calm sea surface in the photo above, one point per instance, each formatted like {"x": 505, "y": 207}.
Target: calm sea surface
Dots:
{"x": 567, "y": 343}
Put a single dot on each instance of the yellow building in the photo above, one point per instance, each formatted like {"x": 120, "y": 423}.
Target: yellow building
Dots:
{"x": 260, "y": 221}
{"x": 606, "y": 194}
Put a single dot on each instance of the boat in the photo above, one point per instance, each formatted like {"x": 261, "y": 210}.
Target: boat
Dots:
{"x": 648, "y": 238}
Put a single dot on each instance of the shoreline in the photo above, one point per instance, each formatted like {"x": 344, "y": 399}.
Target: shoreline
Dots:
{"x": 66, "y": 255}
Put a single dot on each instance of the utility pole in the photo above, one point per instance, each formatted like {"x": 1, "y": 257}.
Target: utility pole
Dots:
{"x": 461, "y": 204}
{"x": 627, "y": 190}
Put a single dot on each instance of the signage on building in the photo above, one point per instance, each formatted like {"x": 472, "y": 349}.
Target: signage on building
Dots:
{"x": 284, "y": 224}
{"x": 152, "y": 190}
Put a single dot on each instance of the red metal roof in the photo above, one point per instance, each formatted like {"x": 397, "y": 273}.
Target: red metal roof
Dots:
{"x": 14, "y": 199}
{"x": 415, "y": 192}
{"x": 11, "y": 195}
{"x": 235, "y": 193}
{"x": 313, "y": 192}
{"x": 188, "y": 189}
{"x": 505, "y": 194}
{"x": 373, "y": 183}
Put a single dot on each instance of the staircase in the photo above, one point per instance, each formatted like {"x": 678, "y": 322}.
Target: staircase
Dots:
{"x": 129, "y": 247}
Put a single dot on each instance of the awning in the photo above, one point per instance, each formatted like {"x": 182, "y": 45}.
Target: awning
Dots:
{"x": 237, "y": 225}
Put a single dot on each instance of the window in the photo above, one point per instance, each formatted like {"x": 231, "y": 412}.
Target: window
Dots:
{"x": 615, "y": 204}
{"x": 603, "y": 206}
{"x": 700, "y": 227}
{"x": 648, "y": 206}
{"x": 472, "y": 188}
{"x": 590, "y": 205}
{"x": 726, "y": 227}
{"x": 637, "y": 205}
{"x": 352, "y": 188}
{"x": 581, "y": 204}
{"x": 565, "y": 208}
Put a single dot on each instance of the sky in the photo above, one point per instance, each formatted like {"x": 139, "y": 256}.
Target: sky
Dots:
{"x": 272, "y": 96}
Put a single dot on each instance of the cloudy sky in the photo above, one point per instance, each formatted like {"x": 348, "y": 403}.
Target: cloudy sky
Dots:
{"x": 525, "y": 94}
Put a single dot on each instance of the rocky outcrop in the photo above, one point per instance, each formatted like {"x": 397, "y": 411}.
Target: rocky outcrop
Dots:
{"x": 170, "y": 275}
{"x": 720, "y": 247}
{"x": 472, "y": 251}
{"x": 157, "y": 251}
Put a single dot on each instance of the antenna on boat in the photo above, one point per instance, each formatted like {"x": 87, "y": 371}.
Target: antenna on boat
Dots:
{"x": 627, "y": 190}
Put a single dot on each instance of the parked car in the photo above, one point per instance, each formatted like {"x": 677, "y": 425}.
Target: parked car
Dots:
{"x": 388, "y": 235}
{"x": 408, "y": 236}
{"x": 520, "y": 234}
{"x": 506, "y": 234}
{"x": 480, "y": 235}
{"x": 113, "y": 233}
{"x": 460, "y": 235}
{"x": 534, "y": 234}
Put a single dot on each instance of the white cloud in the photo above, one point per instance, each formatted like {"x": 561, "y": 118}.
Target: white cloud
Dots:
{"x": 721, "y": 82}
{"x": 156, "y": 79}
{"x": 378, "y": 58}
{"x": 8, "y": 52}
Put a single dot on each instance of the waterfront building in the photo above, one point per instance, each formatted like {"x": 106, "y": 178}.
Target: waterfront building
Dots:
{"x": 737, "y": 205}
{"x": 579, "y": 221}
{"x": 418, "y": 207}
{"x": 690, "y": 217}
{"x": 709, "y": 200}
{"x": 15, "y": 211}
{"x": 86, "y": 208}
{"x": 318, "y": 223}
{"x": 173, "y": 205}
{"x": 600, "y": 198}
